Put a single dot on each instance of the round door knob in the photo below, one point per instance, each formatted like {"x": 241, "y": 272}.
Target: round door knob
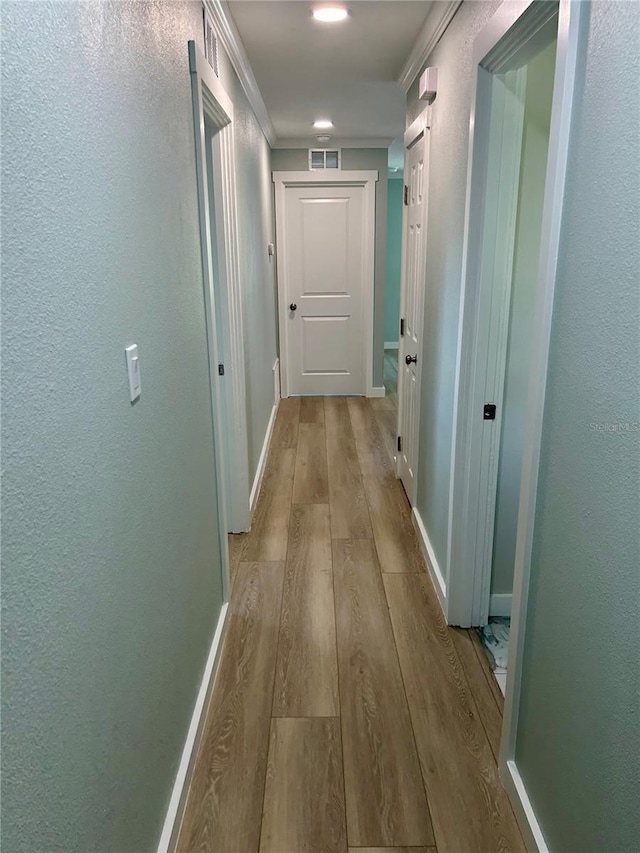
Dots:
{"x": 411, "y": 359}
{"x": 293, "y": 307}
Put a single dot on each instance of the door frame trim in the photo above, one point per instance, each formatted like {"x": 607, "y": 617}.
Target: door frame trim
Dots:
{"x": 418, "y": 127}
{"x": 211, "y": 102}
{"x": 514, "y": 25}
{"x": 367, "y": 180}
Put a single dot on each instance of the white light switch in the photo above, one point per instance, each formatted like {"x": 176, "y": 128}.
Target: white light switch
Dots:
{"x": 133, "y": 371}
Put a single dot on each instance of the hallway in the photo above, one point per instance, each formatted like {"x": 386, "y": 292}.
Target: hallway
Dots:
{"x": 345, "y": 714}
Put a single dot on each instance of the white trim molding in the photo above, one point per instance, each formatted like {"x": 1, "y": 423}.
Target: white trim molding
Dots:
{"x": 433, "y": 29}
{"x": 527, "y": 820}
{"x": 367, "y": 180}
{"x": 227, "y": 32}
{"x": 180, "y": 790}
{"x": 377, "y": 391}
{"x": 435, "y": 573}
{"x": 262, "y": 462}
{"x": 391, "y": 344}
{"x": 500, "y": 604}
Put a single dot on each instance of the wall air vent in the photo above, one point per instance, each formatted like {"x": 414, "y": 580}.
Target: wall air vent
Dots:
{"x": 325, "y": 158}
{"x": 210, "y": 42}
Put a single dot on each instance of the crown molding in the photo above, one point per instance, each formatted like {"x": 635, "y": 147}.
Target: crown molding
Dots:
{"x": 229, "y": 36}
{"x": 334, "y": 142}
{"x": 432, "y": 31}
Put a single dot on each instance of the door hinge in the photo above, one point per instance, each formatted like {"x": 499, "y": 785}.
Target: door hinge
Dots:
{"x": 402, "y": 327}
{"x": 221, "y": 370}
{"x": 489, "y": 412}
{"x": 399, "y": 444}
{"x": 406, "y": 194}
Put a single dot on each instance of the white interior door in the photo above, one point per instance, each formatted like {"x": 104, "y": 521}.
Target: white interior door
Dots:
{"x": 324, "y": 275}
{"x": 412, "y": 304}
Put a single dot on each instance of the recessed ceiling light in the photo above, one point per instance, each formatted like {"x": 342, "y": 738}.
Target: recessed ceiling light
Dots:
{"x": 323, "y": 124}
{"x": 330, "y": 14}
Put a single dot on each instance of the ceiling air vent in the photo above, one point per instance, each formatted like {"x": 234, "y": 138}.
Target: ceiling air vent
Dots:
{"x": 210, "y": 42}
{"x": 324, "y": 158}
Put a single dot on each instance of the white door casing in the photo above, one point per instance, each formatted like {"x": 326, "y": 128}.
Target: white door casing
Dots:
{"x": 212, "y": 105}
{"x": 416, "y": 179}
{"x": 325, "y": 269}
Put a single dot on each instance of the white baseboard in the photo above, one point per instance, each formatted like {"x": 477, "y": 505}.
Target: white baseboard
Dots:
{"x": 523, "y": 810}
{"x": 430, "y": 558}
{"x": 500, "y": 604}
{"x": 391, "y": 345}
{"x": 257, "y": 480}
{"x": 276, "y": 380}
{"x": 194, "y": 735}
{"x": 377, "y": 391}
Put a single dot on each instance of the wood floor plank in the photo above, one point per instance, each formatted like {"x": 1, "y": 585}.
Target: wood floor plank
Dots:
{"x": 306, "y": 671}
{"x": 312, "y": 410}
{"x": 469, "y": 806}
{"x": 267, "y": 539}
{"x": 486, "y": 668}
{"x": 347, "y": 501}
{"x": 386, "y": 802}
{"x": 304, "y": 793}
{"x": 365, "y": 428}
{"x": 490, "y": 715}
{"x": 285, "y": 430}
{"x": 336, "y": 418}
{"x": 236, "y": 546}
{"x": 224, "y": 805}
{"x": 390, "y": 513}
{"x": 382, "y": 404}
{"x": 388, "y": 425}
{"x": 310, "y": 483}
{"x": 392, "y": 850}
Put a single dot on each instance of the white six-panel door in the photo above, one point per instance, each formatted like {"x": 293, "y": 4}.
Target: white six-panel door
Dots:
{"x": 325, "y": 283}
{"x": 412, "y": 307}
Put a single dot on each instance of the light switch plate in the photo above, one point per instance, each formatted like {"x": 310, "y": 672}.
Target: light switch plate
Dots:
{"x": 133, "y": 371}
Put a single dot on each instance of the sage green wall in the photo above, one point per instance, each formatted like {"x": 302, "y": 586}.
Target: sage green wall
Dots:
{"x": 110, "y": 559}
{"x": 394, "y": 260}
{"x": 535, "y": 144}
{"x": 297, "y": 159}
{"x": 445, "y": 232}
{"x": 578, "y": 747}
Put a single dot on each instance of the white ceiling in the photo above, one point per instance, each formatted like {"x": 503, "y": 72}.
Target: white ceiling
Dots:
{"x": 344, "y": 71}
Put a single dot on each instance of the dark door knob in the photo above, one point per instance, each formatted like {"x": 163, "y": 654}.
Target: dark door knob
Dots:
{"x": 411, "y": 359}
{"x": 293, "y": 307}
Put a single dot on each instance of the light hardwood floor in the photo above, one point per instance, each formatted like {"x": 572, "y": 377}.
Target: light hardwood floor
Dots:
{"x": 346, "y": 715}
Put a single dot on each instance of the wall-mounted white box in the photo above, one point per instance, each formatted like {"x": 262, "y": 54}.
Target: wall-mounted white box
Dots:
{"x": 428, "y": 85}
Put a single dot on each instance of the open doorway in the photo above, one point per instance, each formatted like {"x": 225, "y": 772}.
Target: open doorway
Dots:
{"x": 215, "y": 173}
{"x": 525, "y": 60}
{"x": 386, "y": 408}
{"x": 537, "y": 94}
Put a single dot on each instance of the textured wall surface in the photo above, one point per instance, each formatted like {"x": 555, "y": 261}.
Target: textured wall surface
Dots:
{"x": 394, "y": 260}
{"x": 578, "y": 747}
{"x": 111, "y": 570}
{"x": 294, "y": 159}
{"x": 445, "y": 231}
{"x": 257, "y": 271}
{"x": 533, "y": 165}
